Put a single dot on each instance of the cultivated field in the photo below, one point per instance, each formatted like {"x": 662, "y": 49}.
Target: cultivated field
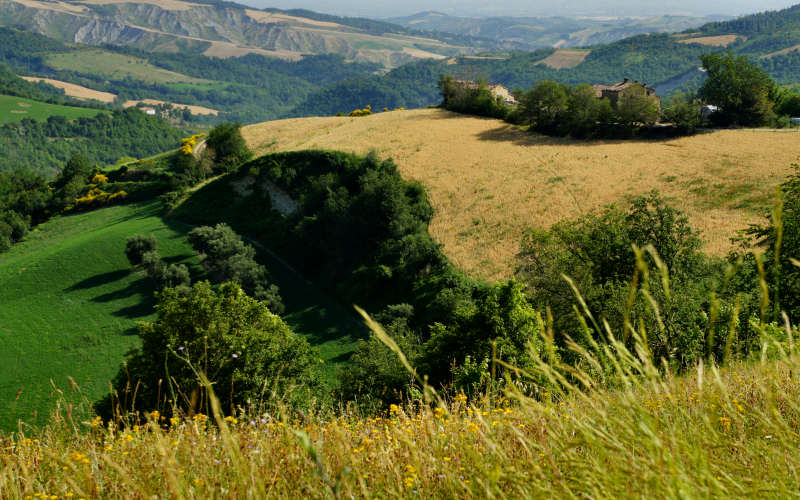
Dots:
{"x": 73, "y": 90}
{"x": 196, "y": 110}
{"x": 115, "y": 66}
{"x": 14, "y": 109}
{"x": 488, "y": 181}
{"x": 224, "y": 50}
{"x": 565, "y": 58}
{"x": 713, "y": 41}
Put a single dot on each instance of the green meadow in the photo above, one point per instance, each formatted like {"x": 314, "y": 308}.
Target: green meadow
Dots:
{"x": 69, "y": 303}
{"x": 15, "y": 109}
{"x": 116, "y": 66}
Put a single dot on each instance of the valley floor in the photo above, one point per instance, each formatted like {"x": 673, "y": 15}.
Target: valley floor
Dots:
{"x": 488, "y": 181}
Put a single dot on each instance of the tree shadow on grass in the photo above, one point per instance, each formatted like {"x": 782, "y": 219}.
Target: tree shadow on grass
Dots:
{"x": 99, "y": 280}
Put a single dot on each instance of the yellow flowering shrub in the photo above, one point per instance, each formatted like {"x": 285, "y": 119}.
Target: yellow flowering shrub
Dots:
{"x": 99, "y": 179}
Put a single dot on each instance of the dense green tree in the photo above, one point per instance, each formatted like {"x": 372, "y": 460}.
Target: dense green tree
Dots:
{"x": 249, "y": 355}
{"x": 477, "y": 100}
{"x": 635, "y": 108}
{"x": 138, "y": 245}
{"x": 789, "y": 105}
{"x": 684, "y": 112}
{"x": 546, "y": 106}
{"x": 227, "y": 258}
{"x": 780, "y": 262}
{"x": 596, "y": 253}
{"x": 743, "y": 91}
{"x": 228, "y": 146}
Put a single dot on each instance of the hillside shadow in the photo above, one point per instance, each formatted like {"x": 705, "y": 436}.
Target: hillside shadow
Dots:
{"x": 507, "y": 133}
{"x": 139, "y": 286}
{"x": 100, "y": 280}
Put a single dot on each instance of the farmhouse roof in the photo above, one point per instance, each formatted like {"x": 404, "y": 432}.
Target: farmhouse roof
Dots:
{"x": 618, "y": 87}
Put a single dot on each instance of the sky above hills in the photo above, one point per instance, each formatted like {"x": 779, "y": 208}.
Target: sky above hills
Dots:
{"x": 571, "y": 8}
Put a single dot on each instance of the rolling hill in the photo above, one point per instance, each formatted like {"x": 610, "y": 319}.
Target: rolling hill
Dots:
{"x": 540, "y": 32}
{"x": 223, "y": 30}
{"x": 667, "y": 62}
{"x": 489, "y": 181}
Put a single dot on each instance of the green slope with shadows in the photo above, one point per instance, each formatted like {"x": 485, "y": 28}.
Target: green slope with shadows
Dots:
{"x": 69, "y": 303}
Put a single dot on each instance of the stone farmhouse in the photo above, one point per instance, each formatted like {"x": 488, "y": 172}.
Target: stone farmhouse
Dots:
{"x": 615, "y": 91}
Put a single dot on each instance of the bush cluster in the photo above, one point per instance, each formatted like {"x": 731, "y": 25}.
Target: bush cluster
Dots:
{"x": 477, "y": 100}
{"x": 362, "y": 112}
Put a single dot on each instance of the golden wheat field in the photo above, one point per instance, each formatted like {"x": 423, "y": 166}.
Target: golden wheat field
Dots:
{"x": 73, "y": 90}
{"x": 488, "y": 181}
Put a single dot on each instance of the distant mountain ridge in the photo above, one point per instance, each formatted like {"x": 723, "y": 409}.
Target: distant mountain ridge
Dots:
{"x": 542, "y": 32}
{"x": 226, "y": 29}
{"x": 667, "y": 62}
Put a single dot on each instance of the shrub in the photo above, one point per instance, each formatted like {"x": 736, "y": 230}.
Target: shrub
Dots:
{"x": 248, "y": 354}
{"x": 99, "y": 179}
{"x": 596, "y": 253}
{"x": 685, "y": 113}
{"x": 228, "y": 146}
{"x": 362, "y": 112}
{"x": 227, "y": 257}
{"x": 138, "y": 245}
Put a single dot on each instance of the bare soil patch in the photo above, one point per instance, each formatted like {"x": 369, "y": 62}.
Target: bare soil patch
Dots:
{"x": 713, "y": 41}
{"x": 781, "y": 52}
{"x": 276, "y": 17}
{"x": 164, "y": 4}
{"x": 489, "y": 181}
{"x": 223, "y": 50}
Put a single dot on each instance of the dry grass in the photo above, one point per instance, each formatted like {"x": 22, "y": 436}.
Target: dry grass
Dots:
{"x": 488, "y": 181}
{"x": 713, "y": 41}
{"x": 781, "y": 52}
{"x": 164, "y": 4}
{"x": 56, "y": 6}
{"x": 223, "y": 50}
{"x": 196, "y": 110}
{"x": 74, "y": 90}
{"x": 275, "y": 17}
{"x": 422, "y": 54}
{"x": 565, "y": 58}
{"x": 713, "y": 434}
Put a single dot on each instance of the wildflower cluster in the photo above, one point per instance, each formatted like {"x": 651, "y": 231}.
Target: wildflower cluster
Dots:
{"x": 362, "y": 112}
{"x": 97, "y": 197}
{"x": 554, "y": 445}
{"x": 188, "y": 144}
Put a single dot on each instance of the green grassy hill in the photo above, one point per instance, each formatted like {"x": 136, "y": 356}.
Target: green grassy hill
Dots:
{"x": 70, "y": 302}
{"x": 15, "y": 109}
